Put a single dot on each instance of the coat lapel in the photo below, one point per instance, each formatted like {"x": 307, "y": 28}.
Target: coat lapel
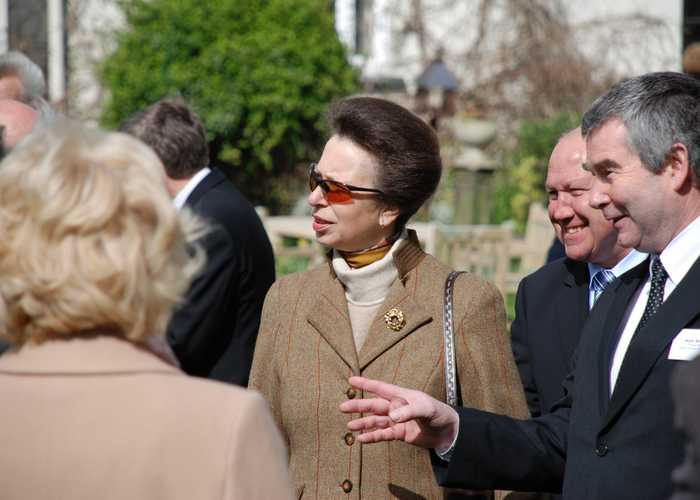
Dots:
{"x": 614, "y": 305}
{"x": 380, "y": 337}
{"x": 572, "y": 306}
{"x": 652, "y": 340}
{"x": 330, "y": 318}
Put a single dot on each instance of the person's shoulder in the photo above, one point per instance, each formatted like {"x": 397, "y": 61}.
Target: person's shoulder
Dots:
{"x": 435, "y": 273}
{"x": 556, "y": 272}
{"x": 313, "y": 274}
{"x": 203, "y": 393}
{"x": 302, "y": 280}
{"x": 219, "y": 198}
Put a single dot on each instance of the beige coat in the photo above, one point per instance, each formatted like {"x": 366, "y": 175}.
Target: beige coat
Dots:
{"x": 305, "y": 353}
{"x": 102, "y": 419}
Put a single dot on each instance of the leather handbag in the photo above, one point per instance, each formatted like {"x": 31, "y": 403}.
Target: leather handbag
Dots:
{"x": 451, "y": 381}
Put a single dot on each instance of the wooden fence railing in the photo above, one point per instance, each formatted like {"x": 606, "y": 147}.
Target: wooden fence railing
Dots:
{"x": 492, "y": 251}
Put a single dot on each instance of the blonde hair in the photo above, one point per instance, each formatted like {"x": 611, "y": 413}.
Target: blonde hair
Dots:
{"x": 91, "y": 242}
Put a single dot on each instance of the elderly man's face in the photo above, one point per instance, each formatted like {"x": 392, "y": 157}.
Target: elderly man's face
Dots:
{"x": 631, "y": 197}
{"x": 583, "y": 230}
{"x": 18, "y": 120}
{"x": 11, "y": 88}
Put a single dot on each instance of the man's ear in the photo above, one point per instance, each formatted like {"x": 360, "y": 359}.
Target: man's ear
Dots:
{"x": 388, "y": 216}
{"x": 680, "y": 170}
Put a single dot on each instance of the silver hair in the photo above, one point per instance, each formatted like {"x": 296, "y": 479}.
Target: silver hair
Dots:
{"x": 47, "y": 114}
{"x": 658, "y": 110}
{"x": 27, "y": 71}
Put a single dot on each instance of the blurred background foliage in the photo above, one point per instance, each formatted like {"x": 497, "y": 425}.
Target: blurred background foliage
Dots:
{"x": 520, "y": 181}
{"x": 260, "y": 74}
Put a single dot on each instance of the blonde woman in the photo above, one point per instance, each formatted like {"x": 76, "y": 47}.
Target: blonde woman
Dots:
{"x": 93, "y": 259}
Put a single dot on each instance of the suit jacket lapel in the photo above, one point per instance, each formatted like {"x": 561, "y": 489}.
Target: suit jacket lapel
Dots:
{"x": 380, "y": 337}
{"x": 572, "y": 305}
{"x": 331, "y": 319}
{"x": 614, "y": 306}
{"x": 652, "y": 340}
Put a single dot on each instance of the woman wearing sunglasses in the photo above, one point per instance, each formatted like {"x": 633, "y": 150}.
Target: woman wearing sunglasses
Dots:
{"x": 376, "y": 308}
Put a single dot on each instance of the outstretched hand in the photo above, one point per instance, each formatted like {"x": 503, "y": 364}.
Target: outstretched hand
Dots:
{"x": 401, "y": 414}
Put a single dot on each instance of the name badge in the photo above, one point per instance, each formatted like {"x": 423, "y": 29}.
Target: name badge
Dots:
{"x": 686, "y": 345}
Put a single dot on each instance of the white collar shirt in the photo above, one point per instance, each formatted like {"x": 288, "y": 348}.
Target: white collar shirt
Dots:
{"x": 632, "y": 259}
{"x": 677, "y": 258}
{"x": 186, "y": 191}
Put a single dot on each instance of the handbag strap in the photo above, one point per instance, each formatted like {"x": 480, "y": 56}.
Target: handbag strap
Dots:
{"x": 450, "y": 366}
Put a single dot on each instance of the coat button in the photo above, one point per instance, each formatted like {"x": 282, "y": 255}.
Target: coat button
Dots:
{"x": 347, "y": 486}
{"x": 601, "y": 448}
{"x": 351, "y": 393}
{"x": 349, "y": 438}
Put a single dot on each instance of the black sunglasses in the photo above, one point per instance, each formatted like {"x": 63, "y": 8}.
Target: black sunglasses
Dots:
{"x": 335, "y": 191}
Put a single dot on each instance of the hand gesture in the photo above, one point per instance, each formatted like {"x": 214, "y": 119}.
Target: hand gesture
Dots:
{"x": 401, "y": 414}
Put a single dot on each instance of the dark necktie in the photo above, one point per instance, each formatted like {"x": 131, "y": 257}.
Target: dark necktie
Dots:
{"x": 600, "y": 281}
{"x": 656, "y": 293}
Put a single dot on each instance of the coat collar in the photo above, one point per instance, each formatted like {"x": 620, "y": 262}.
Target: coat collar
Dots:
{"x": 331, "y": 319}
{"x": 406, "y": 258}
{"x": 100, "y": 354}
{"x": 577, "y": 273}
{"x": 571, "y": 305}
{"x": 213, "y": 178}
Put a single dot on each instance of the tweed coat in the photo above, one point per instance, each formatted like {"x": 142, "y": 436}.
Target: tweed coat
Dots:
{"x": 306, "y": 352}
{"x": 99, "y": 417}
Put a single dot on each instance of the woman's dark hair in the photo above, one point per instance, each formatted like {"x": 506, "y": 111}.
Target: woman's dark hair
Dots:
{"x": 405, "y": 147}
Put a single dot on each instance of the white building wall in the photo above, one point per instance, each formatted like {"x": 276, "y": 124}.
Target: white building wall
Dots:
{"x": 91, "y": 24}
{"x": 345, "y": 22}
{"x": 395, "y": 51}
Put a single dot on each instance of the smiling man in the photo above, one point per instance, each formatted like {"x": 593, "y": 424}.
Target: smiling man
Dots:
{"x": 612, "y": 437}
{"x": 553, "y": 303}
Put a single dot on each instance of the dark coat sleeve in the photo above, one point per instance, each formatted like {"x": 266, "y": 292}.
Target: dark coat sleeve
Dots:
{"x": 200, "y": 331}
{"x": 498, "y": 452}
{"x": 520, "y": 343}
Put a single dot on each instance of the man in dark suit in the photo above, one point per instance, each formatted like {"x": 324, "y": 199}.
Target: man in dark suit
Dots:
{"x": 612, "y": 436}
{"x": 213, "y": 333}
{"x": 552, "y": 303}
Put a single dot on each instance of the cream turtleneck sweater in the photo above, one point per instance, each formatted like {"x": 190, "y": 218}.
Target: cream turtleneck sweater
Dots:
{"x": 366, "y": 288}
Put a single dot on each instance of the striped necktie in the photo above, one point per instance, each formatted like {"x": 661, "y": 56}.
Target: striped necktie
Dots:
{"x": 600, "y": 280}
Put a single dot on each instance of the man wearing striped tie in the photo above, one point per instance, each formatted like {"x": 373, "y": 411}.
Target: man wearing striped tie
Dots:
{"x": 552, "y": 303}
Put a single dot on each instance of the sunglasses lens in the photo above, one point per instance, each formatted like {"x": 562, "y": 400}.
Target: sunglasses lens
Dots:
{"x": 336, "y": 192}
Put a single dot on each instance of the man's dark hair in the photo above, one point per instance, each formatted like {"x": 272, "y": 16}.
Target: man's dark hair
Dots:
{"x": 658, "y": 110}
{"x": 405, "y": 148}
{"x": 175, "y": 133}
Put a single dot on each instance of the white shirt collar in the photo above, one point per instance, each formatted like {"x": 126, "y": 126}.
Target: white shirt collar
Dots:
{"x": 184, "y": 193}
{"x": 682, "y": 252}
{"x": 632, "y": 259}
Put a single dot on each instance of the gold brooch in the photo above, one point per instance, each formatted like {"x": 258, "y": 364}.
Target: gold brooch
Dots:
{"x": 394, "y": 319}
